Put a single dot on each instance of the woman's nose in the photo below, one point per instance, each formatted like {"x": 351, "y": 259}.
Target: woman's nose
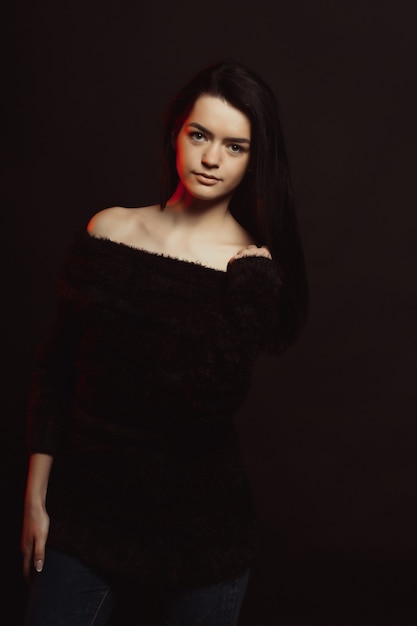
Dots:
{"x": 211, "y": 156}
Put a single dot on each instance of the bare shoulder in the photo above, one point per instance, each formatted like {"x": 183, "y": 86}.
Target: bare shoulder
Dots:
{"x": 115, "y": 222}
{"x": 245, "y": 245}
{"x": 103, "y": 223}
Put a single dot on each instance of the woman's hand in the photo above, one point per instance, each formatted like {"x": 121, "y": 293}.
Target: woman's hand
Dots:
{"x": 34, "y": 535}
{"x": 252, "y": 250}
{"x": 35, "y": 526}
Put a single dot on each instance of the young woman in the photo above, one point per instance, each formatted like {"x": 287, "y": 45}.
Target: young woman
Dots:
{"x": 135, "y": 482}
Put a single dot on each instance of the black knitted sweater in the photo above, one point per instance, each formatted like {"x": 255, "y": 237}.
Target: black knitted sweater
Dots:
{"x": 134, "y": 394}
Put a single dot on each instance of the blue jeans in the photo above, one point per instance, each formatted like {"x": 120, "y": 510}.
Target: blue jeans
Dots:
{"x": 68, "y": 593}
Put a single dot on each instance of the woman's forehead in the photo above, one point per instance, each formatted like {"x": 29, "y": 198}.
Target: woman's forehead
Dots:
{"x": 216, "y": 114}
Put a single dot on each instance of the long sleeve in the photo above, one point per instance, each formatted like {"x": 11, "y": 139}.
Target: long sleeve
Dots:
{"x": 253, "y": 297}
{"x": 52, "y": 387}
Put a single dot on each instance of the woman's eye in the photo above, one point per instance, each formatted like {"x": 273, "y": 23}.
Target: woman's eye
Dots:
{"x": 236, "y": 148}
{"x": 197, "y": 136}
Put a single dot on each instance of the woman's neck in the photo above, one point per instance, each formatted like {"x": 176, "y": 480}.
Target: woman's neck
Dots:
{"x": 192, "y": 212}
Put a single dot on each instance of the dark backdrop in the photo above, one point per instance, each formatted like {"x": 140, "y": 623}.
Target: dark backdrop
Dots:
{"x": 329, "y": 429}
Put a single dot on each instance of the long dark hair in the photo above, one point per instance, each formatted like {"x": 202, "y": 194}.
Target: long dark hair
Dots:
{"x": 263, "y": 203}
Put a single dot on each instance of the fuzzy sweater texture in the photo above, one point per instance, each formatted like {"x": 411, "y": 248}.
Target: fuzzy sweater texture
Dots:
{"x": 134, "y": 394}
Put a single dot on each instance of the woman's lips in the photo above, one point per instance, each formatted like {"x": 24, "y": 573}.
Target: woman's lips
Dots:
{"x": 206, "y": 179}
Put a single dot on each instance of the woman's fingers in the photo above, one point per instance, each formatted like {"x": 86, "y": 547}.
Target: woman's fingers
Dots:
{"x": 252, "y": 250}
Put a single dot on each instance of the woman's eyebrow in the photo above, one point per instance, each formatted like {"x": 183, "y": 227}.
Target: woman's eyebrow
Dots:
{"x": 206, "y": 131}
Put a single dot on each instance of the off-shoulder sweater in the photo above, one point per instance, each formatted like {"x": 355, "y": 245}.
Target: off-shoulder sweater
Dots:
{"x": 134, "y": 395}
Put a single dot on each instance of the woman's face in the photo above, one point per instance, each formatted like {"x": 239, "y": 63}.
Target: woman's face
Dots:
{"x": 213, "y": 149}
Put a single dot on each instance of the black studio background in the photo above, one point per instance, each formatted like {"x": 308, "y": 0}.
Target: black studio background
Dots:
{"x": 329, "y": 429}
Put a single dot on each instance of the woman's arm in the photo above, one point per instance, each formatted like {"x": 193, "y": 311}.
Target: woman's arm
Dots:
{"x": 35, "y": 517}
